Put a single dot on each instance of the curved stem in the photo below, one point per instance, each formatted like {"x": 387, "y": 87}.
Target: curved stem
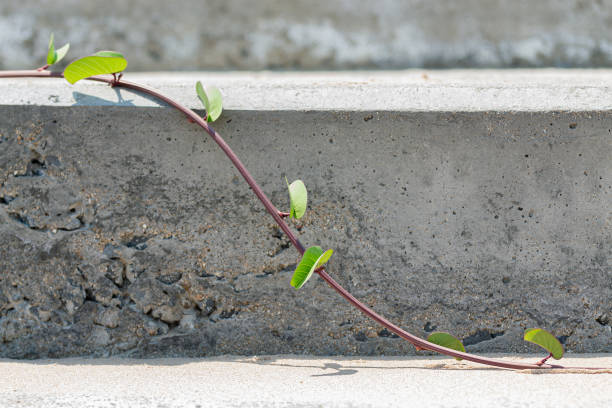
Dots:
{"x": 542, "y": 361}
{"x": 278, "y": 217}
{"x": 418, "y": 342}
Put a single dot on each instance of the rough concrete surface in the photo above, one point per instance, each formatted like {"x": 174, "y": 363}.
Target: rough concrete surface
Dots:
{"x": 290, "y": 381}
{"x": 125, "y": 231}
{"x": 314, "y": 34}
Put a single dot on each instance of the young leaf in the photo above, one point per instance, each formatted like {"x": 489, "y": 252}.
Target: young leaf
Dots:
{"x": 93, "y": 65}
{"x": 216, "y": 106}
{"x": 51, "y": 56}
{"x": 313, "y": 258}
{"x": 202, "y": 95}
{"x": 212, "y": 101}
{"x": 324, "y": 258}
{"x": 544, "y": 339}
{"x": 55, "y": 56}
{"x": 61, "y": 53}
{"x": 305, "y": 267}
{"x": 298, "y": 198}
{"x": 446, "y": 340}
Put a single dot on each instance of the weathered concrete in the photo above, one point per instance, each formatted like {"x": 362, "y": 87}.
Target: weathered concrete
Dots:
{"x": 290, "y": 381}
{"x": 314, "y": 34}
{"x": 124, "y": 230}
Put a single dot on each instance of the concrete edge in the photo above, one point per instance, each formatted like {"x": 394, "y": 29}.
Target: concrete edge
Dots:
{"x": 410, "y": 90}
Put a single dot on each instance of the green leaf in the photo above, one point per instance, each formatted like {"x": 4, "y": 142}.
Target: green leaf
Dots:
{"x": 54, "y": 56}
{"x": 298, "y": 198}
{"x": 446, "y": 340}
{"x": 216, "y": 105}
{"x": 324, "y": 258}
{"x": 212, "y": 101}
{"x": 93, "y": 65}
{"x": 202, "y": 95}
{"x": 313, "y": 258}
{"x": 61, "y": 53}
{"x": 544, "y": 339}
{"x": 304, "y": 270}
{"x": 109, "y": 54}
{"x": 51, "y": 55}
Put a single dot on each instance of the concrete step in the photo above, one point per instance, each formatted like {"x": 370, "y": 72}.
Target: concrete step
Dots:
{"x": 519, "y": 90}
{"x": 471, "y": 202}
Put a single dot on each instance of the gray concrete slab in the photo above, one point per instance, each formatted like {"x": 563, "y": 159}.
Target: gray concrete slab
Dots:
{"x": 125, "y": 231}
{"x": 292, "y": 381}
{"x": 314, "y": 34}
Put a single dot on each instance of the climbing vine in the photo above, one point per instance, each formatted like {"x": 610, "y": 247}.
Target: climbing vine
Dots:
{"x": 108, "y": 67}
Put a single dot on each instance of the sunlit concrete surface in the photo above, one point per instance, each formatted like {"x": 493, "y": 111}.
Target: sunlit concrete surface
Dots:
{"x": 419, "y": 90}
{"x": 291, "y": 381}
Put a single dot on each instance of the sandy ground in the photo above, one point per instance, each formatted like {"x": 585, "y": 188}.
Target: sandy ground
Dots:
{"x": 293, "y": 381}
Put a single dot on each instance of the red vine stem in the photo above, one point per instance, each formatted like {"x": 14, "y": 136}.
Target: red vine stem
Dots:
{"x": 278, "y": 217}
{"x": 542, "y": 361}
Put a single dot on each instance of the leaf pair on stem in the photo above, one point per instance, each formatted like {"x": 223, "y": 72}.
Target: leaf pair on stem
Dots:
{"x": 112, "y": 62}
{"x": 102, "y": 62}
{"x": 211, "y": 99}
{"x": 313, "y": 257}
{"x": 537, "y": 336}
{"x": 53, "y": 55}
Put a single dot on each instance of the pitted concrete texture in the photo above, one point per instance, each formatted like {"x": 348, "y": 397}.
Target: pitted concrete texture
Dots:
{"x": 124, "y": 230}
{"x": 315, "y": 34}
{"x": 291, "y": 381}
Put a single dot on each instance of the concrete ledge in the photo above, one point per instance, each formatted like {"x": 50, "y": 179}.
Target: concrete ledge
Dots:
{"x": 125, "y": 231}
{"x": 402, "y": 91}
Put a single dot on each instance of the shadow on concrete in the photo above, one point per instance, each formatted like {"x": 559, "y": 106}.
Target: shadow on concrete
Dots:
{"x": 339, "y": 370}
{"x": 349, "y": 370}
{"x": 82, "y": 99}
{"x": 314, "y": 362}
{"x": 302, "y": 362}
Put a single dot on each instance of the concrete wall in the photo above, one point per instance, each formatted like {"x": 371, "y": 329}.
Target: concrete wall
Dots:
{"x": 314, "y": 34}
{"x": 124, "y": 229}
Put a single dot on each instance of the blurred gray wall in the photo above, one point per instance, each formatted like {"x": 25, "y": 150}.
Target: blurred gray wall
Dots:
{"x": 314, "y": 34}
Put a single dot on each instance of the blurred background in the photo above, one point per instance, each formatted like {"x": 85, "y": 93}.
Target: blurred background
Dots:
{"x": 314, "y": 35}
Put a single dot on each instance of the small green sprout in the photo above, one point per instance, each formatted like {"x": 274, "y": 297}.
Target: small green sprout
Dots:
{"x": 211, "y": 99}
{"x": 53, "y": 55}
{"x": 298, "y": 198}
